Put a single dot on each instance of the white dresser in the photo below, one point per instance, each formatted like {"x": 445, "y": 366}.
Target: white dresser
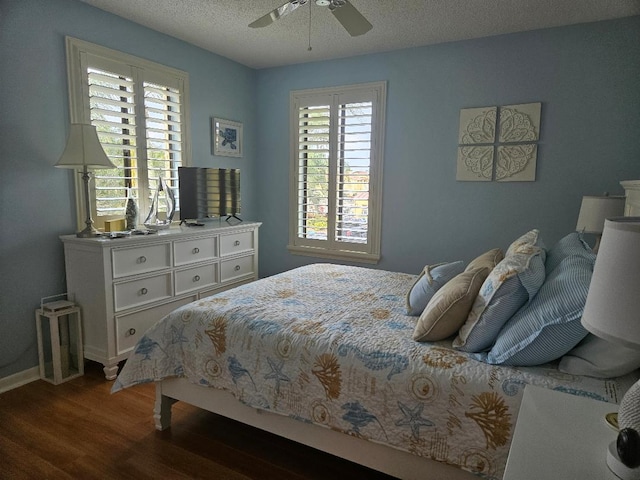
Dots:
{"x": 125, "y": 285}
{"x": 632, "y": 202}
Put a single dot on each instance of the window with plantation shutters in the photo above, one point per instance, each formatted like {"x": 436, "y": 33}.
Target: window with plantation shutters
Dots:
{"x": 139, "y": 110}
{"x": 337, "y": 144}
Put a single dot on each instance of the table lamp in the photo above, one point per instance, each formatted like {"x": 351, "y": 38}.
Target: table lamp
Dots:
{"x": 612, "y": 312}
{"x": 83, "y": 151}
{"x": 593, "y": 212}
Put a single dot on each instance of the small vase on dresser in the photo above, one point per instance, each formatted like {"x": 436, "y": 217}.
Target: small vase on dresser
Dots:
{"x": 131, "y": 211}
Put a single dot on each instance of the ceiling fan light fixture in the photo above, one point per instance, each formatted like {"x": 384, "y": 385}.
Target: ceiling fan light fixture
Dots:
{"x": 344, "y": 12}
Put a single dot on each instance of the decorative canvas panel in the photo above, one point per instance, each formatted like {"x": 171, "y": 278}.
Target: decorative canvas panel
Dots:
{"x": 520, "y": 123}
{"x": 477, "y": 125}
{"x": 516, "y": 163}
{"x": 475, "y": 163}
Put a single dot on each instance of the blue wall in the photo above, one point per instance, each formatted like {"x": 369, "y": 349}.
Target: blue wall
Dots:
{"x": 586, "y": 77}
{"x": 37, "y": 200}
{"x": 588, "y": 80}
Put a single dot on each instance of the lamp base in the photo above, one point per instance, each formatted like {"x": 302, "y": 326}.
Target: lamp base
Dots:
{"x": 617, "y": 467}
{"x": 89, "y": 232}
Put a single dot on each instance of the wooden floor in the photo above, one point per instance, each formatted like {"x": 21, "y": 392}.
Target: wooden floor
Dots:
{"x": 79, "y": 430}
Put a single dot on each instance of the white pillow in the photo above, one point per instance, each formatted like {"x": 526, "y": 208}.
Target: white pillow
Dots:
{"x": 596, "y": 357}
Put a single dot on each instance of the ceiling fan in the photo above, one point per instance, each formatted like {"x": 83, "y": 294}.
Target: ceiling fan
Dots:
{"x": 350, "y": 18}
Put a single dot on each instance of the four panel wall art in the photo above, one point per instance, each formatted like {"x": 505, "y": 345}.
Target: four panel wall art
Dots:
{"x": 499, "y": 143}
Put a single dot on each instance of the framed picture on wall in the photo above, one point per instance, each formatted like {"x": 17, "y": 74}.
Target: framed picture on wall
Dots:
{"x": 227, "y": 138}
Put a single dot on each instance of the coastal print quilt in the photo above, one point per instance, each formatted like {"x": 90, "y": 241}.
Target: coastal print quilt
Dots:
{"x": 332, "y": 345}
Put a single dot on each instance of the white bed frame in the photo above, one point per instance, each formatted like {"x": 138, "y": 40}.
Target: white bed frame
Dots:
{"x": 379, "y": 457}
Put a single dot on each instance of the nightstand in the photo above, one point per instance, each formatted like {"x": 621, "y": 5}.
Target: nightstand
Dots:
{"x": 560, "y": 436}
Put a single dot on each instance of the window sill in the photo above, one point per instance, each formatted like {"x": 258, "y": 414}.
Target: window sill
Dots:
{"x": 347, "y": 255}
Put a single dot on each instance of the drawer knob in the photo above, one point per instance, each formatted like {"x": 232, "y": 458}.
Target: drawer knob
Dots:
{"x": 196, "y": 278}
{"x": 142, "y": 259}
{"x": 237, "y": 269}
{"x": 196, "y": 250}
{"x": 143, "y": 291}
{"x": 132, "y": 331}
{"x": 236, "y": 243}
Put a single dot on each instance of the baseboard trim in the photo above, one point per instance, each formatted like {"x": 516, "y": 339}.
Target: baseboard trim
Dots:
{"x": 18, "y": 379}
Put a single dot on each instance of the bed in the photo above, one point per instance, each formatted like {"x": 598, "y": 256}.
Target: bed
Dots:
{"x": 325, "y": 355}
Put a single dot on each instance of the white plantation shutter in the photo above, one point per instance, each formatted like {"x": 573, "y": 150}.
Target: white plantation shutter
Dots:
{"x": 163, "y": 122}
{"x": 313, "y": 171}
{"x": 353, "y": 176}
{"x": 139, "y": 110}
{"x": 337, "y": 145}
{"x": 111, "y": 99}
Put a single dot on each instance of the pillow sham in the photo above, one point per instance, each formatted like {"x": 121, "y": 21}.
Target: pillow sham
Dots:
{"x": 511, "y": 284}
{"x": 596, "y": 357}
{"x": 570, "y": 245}
{"x": 549, "y": 326}
{"x": 431, "y": 279}
{"x": 488, "y": 259}
{"x": 449, "y": 307}
{"x": 532, "y": 237}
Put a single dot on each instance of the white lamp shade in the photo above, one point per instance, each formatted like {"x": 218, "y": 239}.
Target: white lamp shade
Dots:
{"x": 83, "y": 149}
{"x": 612, "y": 309}
{"x": 594, "y": 210}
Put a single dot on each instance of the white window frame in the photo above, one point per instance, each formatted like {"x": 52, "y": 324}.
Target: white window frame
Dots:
{"x": 77, "y": 52}
{"x": 368, "y": 252}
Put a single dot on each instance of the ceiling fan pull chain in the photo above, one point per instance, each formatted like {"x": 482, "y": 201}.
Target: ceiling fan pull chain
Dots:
{"x": 309, "y": 49}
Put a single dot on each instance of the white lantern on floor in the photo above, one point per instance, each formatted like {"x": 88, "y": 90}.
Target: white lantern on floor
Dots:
{"x": 59, "y": 331}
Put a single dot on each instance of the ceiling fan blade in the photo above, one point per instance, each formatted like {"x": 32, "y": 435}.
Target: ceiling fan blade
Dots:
{"x": 352, "y": 20}
{"x": 274, "y": 15}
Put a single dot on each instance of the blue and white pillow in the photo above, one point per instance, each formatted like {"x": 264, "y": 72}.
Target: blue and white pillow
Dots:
{"x": 549, "y": 326}
{"x": 511, "y": 284}
{"x": 431, "y": 279}
{"x": 571, "y": 245}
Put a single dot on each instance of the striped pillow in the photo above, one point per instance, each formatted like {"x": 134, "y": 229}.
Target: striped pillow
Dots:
{"x": 572, "y": 244}
{"x": 511, "y": 284}
{"x": 549, "y": 326}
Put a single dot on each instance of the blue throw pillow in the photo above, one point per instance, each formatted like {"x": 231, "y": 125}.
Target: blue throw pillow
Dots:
{"x": 549, "y": 326}
{"x": 431, "y": 279}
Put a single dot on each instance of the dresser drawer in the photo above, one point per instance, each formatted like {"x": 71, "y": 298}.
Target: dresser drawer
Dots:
{"x": 236, "y": 268}
{"x": 131, "y": 327}
{"x": 196, "y": 278}
{"x": 194, "y": 250}
{"x": 236, "y": 243}
{"x": 149, "y": 258}
{"x": 141, "y": 291}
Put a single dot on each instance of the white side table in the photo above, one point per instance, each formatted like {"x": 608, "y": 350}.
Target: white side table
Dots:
{"x": 560, "y": 436}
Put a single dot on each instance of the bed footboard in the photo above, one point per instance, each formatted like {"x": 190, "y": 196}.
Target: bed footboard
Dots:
{"x": 379, "y": 457}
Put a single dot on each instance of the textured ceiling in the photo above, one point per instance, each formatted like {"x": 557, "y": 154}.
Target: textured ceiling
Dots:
{"x": 221, "y": 26}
